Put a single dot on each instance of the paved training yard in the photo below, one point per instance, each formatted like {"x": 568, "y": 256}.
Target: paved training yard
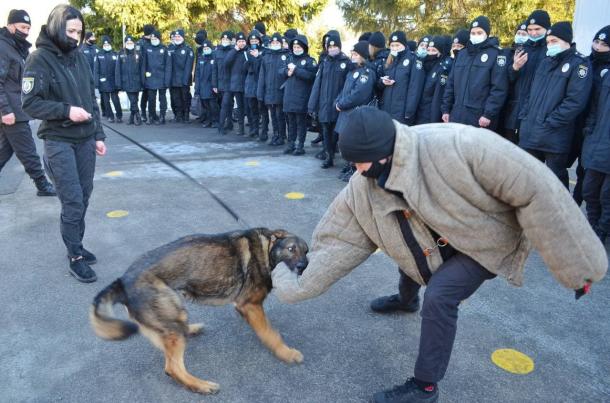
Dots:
{"x": 48, "y": 352}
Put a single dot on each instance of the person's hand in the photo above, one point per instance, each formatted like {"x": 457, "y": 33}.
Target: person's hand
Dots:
{"x": 215, "y": 90}
{"x": 387, "y": 81}
{"x": 100, "y": 148}
{"x": 254, "y": 52}
{"x": 519, "y": 60}
{"x": 9, "y": 119}
{"x": 484, "y": 122}
{"x": 78, "y": 114}
{"x": 446, "y": 117}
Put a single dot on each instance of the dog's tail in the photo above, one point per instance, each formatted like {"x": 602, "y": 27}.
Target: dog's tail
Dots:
{"x": 104, "y": 324}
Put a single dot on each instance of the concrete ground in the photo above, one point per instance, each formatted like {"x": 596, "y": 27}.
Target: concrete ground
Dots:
{"x": 48, "y": 352}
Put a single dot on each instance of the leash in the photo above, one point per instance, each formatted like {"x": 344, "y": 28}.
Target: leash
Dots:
{"x": 164, "y": 160}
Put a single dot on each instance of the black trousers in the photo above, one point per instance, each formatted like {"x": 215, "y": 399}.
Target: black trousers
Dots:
{"x": 210, "y": 109}
{"x": 263, "y": 110}
{"x": 17, "y": 139}
{"x": 254, "y": 118}
{"x": 278, "y": 119}
{"x": 133, "y": 101}
{"x": 152, "y": 102}
{"x": 144, "y": 102}
{"x": 558, "y": 163}
{"x": 239, "y": 100}
{"x": 297, "y": 127}
{"x": 226, "y": 109}
{"x": 596, "y": 193}
{"x": 71, "y": 168}
{"x": 454, "y": 281}
{"x": 180, "y": 100}
{"x": 106, "y": 97}
{"x": 328, "y": 137}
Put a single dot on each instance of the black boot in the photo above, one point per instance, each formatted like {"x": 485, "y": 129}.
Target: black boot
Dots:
{"x": 44, "y": 187}
{"x": 131, "y": 118}
{"x": 187, "y": 117}
{"x": 328, "y": 146}
{"x": 222, "y": 131}
{"x": 178, "y": 118}
{"x": 317, "y": 139}
{"x": 111, "y": 119}
{"x": 392, "y": 303}
{"x": 321, "y": 155}
{"x": 144, "y": 119}
{"x": 81, "y": 270}
{"x": 300, "y": 150}
{"x": 162, "y": 121}
{"x": 242, "y": 130}
{"x": 289, "y": 149}
{"x": 119, "y": 119}
{"x": 137, "y": 119}
{"x": 409, "y": 392}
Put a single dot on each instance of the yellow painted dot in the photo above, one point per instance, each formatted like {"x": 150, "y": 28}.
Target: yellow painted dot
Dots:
{"x": 512, "y": 361}
{"x": 252, "y": 163}
{"x": 117, "y": 213}
{"x": 294, "y": 195}
{"x": 113, "y": 173}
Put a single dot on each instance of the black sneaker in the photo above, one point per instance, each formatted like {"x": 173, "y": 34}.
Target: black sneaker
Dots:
{"x": 408, "y": 392}
{"x": 81, "y": 270}
{"x": 392, "y": 303}
{"x": 89, "y": 257}
{"x": 44, "y": 187}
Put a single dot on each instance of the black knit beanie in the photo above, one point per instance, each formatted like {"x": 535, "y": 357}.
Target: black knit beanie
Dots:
{"x": 481, "y": 22}
{"x": 377, "y": 39}
{"x": 362, "y": 48}
{"x": 562, "y": 30}
{"x": 17, "y": 16}
{"x": 603, "y": 35}
{"x": 148, "y": 29}
{"x": 539, "y": 17}
{"x": 398, "y": 36}
{"x": 367, "y": 136}
{"x": 462, "y": 37}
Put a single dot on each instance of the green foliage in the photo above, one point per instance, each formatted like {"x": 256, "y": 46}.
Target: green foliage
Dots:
{"x": 429, "y": 17}
{"x": 215, "y": 16}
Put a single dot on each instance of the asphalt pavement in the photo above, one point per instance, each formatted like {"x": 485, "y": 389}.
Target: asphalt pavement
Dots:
{"x": 48, "y": 352}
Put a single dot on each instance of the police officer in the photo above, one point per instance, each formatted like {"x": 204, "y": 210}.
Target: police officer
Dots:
{"x": 221, "y": 81}
{"x": 596, "y": 147}
{"x": 128, "y": 77}
{"x": 104, "y": 72}
{"x": 396, "y": 80}
{"x": 204, "y": 69}
{"x": 300, "y": 72}
{"x": 330, "y": 78}
{"x": 259, "y": 116}
{"x": 15, "y": 132}
{"x": 559, "y": 93}
{"x": 478, "y": 83}
{"x": 510, "y": 123}
{"x": 141, "y": 46}
{"x": 422, "y": 47}
{"x": 182, "y": 57}
{"x": 269, "y": 86}
{"x": 200, "y": 37}
{"x": 58, "y": 89}
{"x": 156, "y": 76}
{"x": 235, "y": 62}
{"x": 437, "y": 66}
{"x": 460, "y": 40}
{"x": 378, "y": 53}
{"x": 523, "y": 67}
{"x": 89, "y": 49}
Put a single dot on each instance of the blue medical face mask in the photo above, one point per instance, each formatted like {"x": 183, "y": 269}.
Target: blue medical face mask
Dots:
{"x": 536, "y": 38}
{"x": 553, "y": 50}
{"x": 422, "y": 52}
{"x": 207, "y": 51}
{"x": 520, "y": 39}
{"x": 298, "y": 52}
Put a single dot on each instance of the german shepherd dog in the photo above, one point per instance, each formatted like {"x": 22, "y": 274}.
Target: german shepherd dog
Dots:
{"x": 210, "y": 269}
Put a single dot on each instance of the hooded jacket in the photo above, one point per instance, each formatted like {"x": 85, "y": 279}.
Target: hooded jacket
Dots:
{"x": 54, "y": 81}
{"x": 405, "y": 68}
{"x": 488, "y": 198}
{"x": 269, "y": 80}
{"x": 104, "y": 71}
{"x": 329, "y": 82}
{"x": 128, "y": 71}
{"x": 297, "y": 87}
{"x": 182, "y": 58}
{"x": 11, "y": 70}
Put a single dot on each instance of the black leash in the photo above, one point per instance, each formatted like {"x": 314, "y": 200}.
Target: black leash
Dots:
{"x": 224, "y": 205}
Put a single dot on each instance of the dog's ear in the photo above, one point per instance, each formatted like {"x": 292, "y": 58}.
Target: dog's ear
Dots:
{"x": 279, "y": 234}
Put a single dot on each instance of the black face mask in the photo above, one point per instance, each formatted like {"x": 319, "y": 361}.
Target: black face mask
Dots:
{"x": 20, "y": 35}
{"x": 375, "y": 170}
{"x": 69, "y": 45}
{"x": 91, "y": 41}
{"x": 600, "y": 57}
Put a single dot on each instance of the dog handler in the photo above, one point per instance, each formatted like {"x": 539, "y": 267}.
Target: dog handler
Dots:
{"x": 453, "y": 206}
{"x": 58, "y": 89}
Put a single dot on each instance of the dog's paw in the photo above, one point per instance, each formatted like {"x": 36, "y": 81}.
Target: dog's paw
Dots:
{"x": 291, "y": 355}
{"x": 195, "y": 329}
{"x": 206, "y": 387}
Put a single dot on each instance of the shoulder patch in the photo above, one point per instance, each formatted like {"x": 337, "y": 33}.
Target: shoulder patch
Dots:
{"x": 565, "y": 67}
{"x": 364, "y": 78}
{"x": 212, "y": 61}
{"x": 484, "y": 57}
{"x": 418, "y": 65}
{"x": 356, "y": 74}
{"x": 443, "y": 79}
{"x": 582, "y": 71}
{"x": 501, "y": 60}
{"x": 283, "y": 57}
{"x": 405, "y": 62}
{"x": 27, "y": 84}
{"x": 303, "y": 62}
{"x": 343, "y": 65}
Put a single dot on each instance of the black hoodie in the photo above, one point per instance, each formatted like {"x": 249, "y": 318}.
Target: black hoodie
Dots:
{"x": 12, "y": 55}
{"x": 53, "y": 82}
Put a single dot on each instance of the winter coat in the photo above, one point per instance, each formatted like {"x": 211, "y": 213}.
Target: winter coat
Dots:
{"x": 156, "y": 67}
{"x": 329, "y": 82}
{"x": 297, "y": 88}
{"x": 357, "y": 91}
{"x": 488, "y": 198}
{"x": 182, "y": 57}
{"x": 104, "y": 71}
{"x": 596, "y": 147}
{"x": 221, "y": 77}
{"x": 429, "y": 107}
{"x": 559, "y": 93}
{"x": 90, "y": 51}
{"x": 269, "y": 79}
{"x": 204, "y": 69}
{"x": 128, "y": 72}
{"x": 253, "y": 67}
{"x": 11, "y": 71}
{"x": 237, "y": 68}
{"x": 394, "y": 98}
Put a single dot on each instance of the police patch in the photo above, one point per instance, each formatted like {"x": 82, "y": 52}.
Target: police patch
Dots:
{"x": 405, "y": 62}
{"x": 364, "y": 79}
{"x": 212, "y": 61}
{"x": 532, "y": 21}
{"x": 148, "y": 74}
{"x": 484, "y": 57}
{"x": 394, "y": 38}
{"x": 434, "y": 74}
{"x": 603, "y": 72}
{"x": 582, "y": 71}
{"x": 602, "y": 37}
{"x": 418, "y": 65}
{"x": 455, "y": 40}
{"x": 303, "y": 62}
{"x": 443, "y": 80}
{"x": 27, "y": 84}
{"x": 356, "y": 74}
{"x": 501, "y": 61}
{"x": 475, "y": 24}
{"x": 183, "y": 51}
{"x": 342, "y": 65}
{"x": 113, "y": 57}
{"x": 283, "y": 57}
{"x": 162, "y": 51}
{"x": 565, "y": 67}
